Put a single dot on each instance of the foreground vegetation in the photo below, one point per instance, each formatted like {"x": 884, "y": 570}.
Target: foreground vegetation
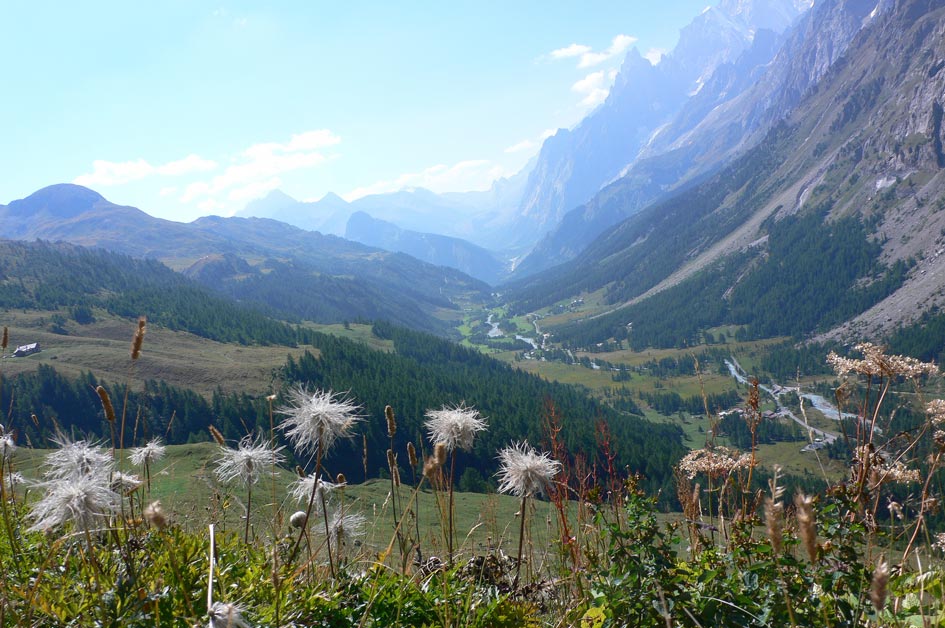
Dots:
{"x": 84, "y": 542}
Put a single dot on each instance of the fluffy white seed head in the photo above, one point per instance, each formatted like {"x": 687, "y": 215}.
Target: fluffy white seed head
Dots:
{"x": 82, "y": 499}
{"x": 7, "y": 445}
{"x": 525, "y": 472}
{"x": 455, "y": 426}
{"x": 74, "y": 459}
{"x": 345, "y": 528}
{"x": 227, "y": 616}
{"x": 318, "y": 419}
{"x": 125, "y": 483}
{"x": 152, "y": 452}
{"x": 302, "y": 488}
{"x": 246, "y": 463}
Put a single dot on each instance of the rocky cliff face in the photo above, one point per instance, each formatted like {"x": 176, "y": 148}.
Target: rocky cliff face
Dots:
{"x": 573, "y": 165}
{"x": 858, "y": 134}
{"x": 731, "y": 111}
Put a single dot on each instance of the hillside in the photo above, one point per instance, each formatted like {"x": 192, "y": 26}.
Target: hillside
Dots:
{"x": 432, "y": 248}
{"x": 860, "y": 154}
{"x": 414, "y": 290}
{"x": 410, "y": 371}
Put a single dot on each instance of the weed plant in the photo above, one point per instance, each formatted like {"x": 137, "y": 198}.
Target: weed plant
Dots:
{"x": 79, "y": 549}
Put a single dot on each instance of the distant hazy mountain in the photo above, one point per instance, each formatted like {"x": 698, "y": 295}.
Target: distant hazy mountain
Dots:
{"x": 483, "y": 217}
{"x": 364, "y": 280}
{"x": 732, "y": 111}
{"x": 574, "y": 165}
{"x": 830, "y": 223}
{"x": 473, "y": 260}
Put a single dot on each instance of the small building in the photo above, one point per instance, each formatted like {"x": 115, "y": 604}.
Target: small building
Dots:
{"x": 24, "y": 350}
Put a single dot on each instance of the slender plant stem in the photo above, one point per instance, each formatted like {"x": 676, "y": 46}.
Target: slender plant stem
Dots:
{"x": 249, "y": 508}
{"x": 449, "y": 537}
{"x": 331, "y": 562}
{"x": 521, "y": 539}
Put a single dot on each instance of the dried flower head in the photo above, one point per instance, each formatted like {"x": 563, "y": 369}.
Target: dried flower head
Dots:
{"x": 81, "y": 499}
{"x": 939, "y": 542}
{"x": 318, "y": 419}
{"x": 412, "y": 455}
{"x": 455, "y": 427}
{"x": 152, "y": 452}
{"x": 6, "y": 338}
{"x": 78, "y": 458}
{"x": 878, "y": 585}
{"x": 302, "y": 489}
{"x": 345, "y": 528}
{"x": 439, "y": 454}
{"x": 155, "y": 516}
{"x": 391, "y": 421}
{"x": 298, "y": 519}
{"x": 806, "y": 524}
{"x": 523, "y": 471}
{"x": 226, "y": 616}
{"x": 106, "y": 403}
{"x": 875, "y": 363}
{"x": 7, "y": 445}
{"x": 774, "y": 513}
{"x": 138, "y": 338}
{"x": 12, "y": 480}
{"x": 251, "y": 458}
{"x": 715, "y": 462}
{"x": 217, "y": 436}
{"x": 936, "y": 411}
{"x": 125, "y": 483}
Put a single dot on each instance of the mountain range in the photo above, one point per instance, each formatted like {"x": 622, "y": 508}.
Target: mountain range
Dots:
{"x": 838, "y": 151}
{"x": 253, "y": 259}
{"x": 816, "y": 127}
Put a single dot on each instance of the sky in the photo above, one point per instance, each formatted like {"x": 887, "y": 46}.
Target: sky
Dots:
{"x": 186, "y": 108}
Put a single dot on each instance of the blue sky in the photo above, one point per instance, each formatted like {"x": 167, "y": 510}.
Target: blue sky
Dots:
{"x": 186, "y": 108}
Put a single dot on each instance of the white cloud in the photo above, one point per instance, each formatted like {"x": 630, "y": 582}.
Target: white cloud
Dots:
{"x": 523, "y": 145}
{"x": 654, "y": 55}
{"x": 473, "y": 174}
{"x": 255, "y": 170}
{"x": 574, "y": 50}
{"x": 114, "y": 173}
{"x": 168, "y": 191}
{"x": 105, "y": 173}
{"x": 546, "y": 134}
{"x": 593, "y": 87}
{"x": 588, "y": 58}
{"x": 190, "y": 163}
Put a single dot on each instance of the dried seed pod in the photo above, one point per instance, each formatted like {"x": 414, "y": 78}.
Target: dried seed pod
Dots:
{"x": 106, "y": 404}
{"x": 391, "y": 421}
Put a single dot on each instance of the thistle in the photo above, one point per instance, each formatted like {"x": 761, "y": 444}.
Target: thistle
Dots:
{"x": 246, "y": 463}
{"x": 316, "y": 420}
{"x": 313, "y": 423}
{"x": 81, "y": 499}
{"x": 344, "y": 529}
{"x": 76, "y": 459}
{"x": 524, "y": 472}
{"x": 302, "y": 489}
{"x": 145, "y": 456}
{"x": 7, "y": 445}
{"x": 451, "y": 428}
{"x": 226, "y": 616}
{"x": 455, "y": 427}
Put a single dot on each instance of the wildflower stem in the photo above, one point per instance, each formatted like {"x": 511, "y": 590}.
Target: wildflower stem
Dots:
{"x": 331, "y": 562}
{"x": 452, "y": 477}
{"x": 249, "y": 507}
{"x": 521, "y": 538}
